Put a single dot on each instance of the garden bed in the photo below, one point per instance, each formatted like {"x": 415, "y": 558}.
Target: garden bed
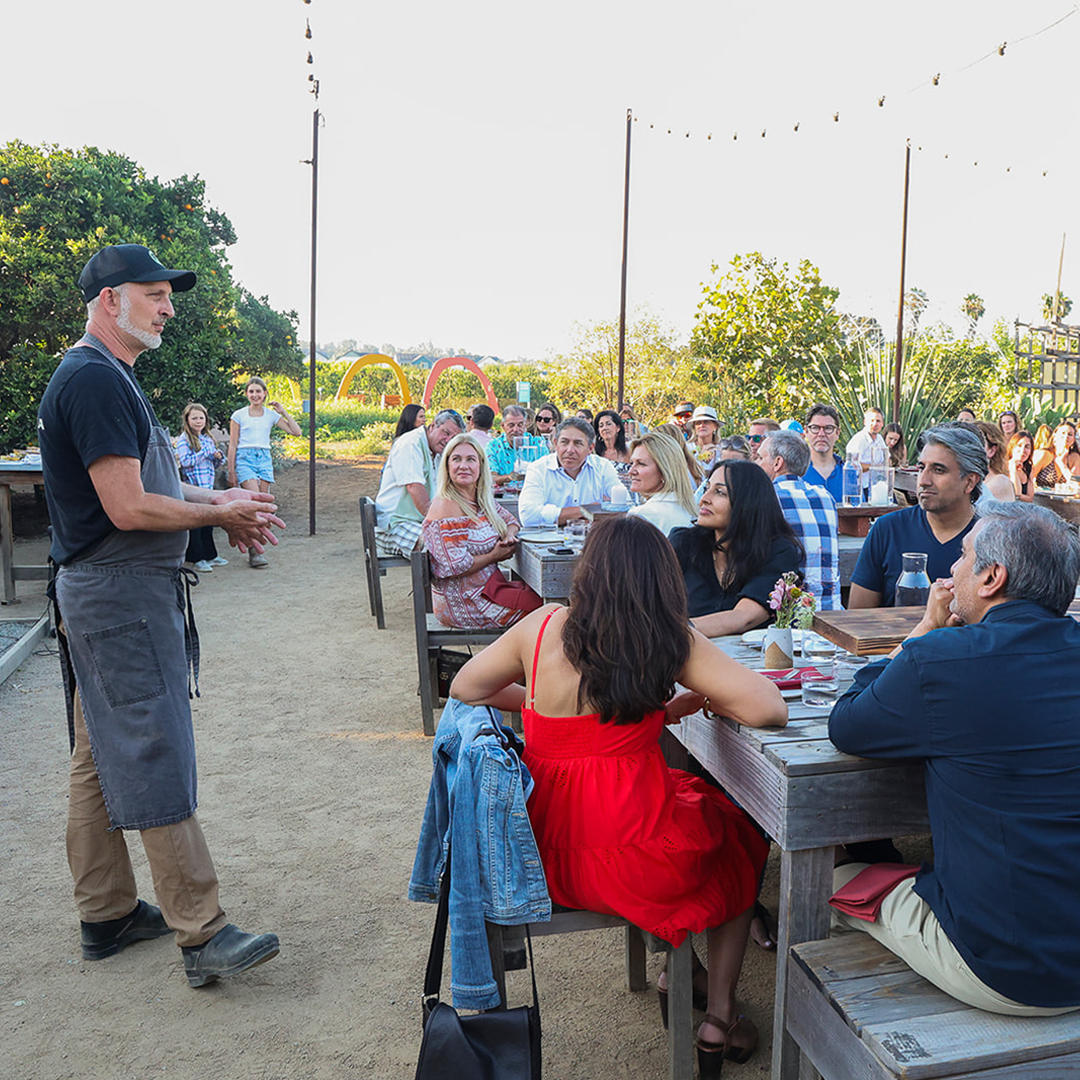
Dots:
{"x": 18, "y": 639}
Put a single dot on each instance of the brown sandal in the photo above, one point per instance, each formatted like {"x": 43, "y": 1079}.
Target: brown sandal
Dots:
{"x": 732, "y": 1048}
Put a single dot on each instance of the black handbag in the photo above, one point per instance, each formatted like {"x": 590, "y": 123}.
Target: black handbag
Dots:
{"x": 500, "y": 1045}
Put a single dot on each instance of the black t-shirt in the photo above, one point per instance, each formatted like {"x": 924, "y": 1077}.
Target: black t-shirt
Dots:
{"x": 704, "y": 594}
{"x": 90, "y": 409}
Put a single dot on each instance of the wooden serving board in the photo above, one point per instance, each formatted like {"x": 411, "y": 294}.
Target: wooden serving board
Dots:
{"x": 867, "y": 631}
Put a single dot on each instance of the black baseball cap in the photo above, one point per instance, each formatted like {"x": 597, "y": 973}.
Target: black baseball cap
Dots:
{"x": 118, "y": 263}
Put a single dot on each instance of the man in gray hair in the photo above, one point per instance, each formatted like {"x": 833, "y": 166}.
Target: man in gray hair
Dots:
{"x": 952, "y": 467}
{"x": 408, "y": 483}
{"x": 984, "y": 691}
{"x": 502, "y": 458}
{"x": 809, "y": 510}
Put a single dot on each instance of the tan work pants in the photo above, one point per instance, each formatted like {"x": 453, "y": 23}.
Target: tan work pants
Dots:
{"x": 907, "y": 926}
{"x": 184, "y": 878}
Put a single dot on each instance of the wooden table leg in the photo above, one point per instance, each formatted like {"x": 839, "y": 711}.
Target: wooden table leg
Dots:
{"x": 805, "y": 887}
{"x": 7, "y": 554}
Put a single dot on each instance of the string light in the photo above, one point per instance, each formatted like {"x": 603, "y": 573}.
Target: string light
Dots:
{"x": 934, "y": 80}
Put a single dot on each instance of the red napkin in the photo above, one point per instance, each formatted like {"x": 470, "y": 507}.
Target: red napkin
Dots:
{"x": 790, "y": 678}
{"x": 864, "y": 894}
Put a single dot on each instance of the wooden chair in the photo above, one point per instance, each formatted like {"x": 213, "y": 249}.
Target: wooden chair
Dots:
{"x": 858, "y": 1012}
{"x": 431, "y": 636}
{"x": 374, "y": 565}
{"x": 507, "y": 947}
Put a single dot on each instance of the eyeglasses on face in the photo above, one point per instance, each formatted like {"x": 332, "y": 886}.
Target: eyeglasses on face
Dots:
{"x": 755, "y": 439}
{"x": 821, "y": 429}
{"x": 543, "y": 418}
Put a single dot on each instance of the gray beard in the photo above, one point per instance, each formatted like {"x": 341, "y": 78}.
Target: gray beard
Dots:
{"x": 143, "y": 337}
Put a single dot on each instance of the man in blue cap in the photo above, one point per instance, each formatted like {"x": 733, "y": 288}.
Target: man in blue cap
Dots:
{"x": 120, "y": 517}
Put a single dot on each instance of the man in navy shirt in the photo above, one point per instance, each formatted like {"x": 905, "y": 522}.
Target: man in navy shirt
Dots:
{"x": 822, "y": 429}
{"x": 984, "y": 690}
{"x": 952, "y": 467}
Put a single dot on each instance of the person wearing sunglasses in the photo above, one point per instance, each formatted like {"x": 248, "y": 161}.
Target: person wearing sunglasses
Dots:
{"x": 760, "y": 430}
{"x": 822, "y": 429}
{"x": 548, "y": 417}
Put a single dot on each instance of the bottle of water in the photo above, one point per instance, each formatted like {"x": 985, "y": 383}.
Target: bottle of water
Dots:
{"x": 852, "y": 481}
{"x": 913, "y": 584}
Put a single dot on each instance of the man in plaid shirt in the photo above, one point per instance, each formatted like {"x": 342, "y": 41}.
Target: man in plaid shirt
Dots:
{"x": 810, "y": 511}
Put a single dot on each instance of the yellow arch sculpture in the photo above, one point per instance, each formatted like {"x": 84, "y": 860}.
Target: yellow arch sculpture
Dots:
{"x": 469, "y": 365}
{"x": 294, "y": 386}
{"x": 368, "y": 361}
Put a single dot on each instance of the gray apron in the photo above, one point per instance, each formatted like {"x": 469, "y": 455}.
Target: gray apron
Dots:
{"x": 123, "y": 609}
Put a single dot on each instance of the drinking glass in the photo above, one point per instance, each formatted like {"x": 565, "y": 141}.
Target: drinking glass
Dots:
{"x": 820, "y": 689}
{"x": 818, "y": 652}
{"x": 575, "y": 534}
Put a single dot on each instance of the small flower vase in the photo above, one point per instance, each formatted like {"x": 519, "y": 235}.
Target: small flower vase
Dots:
{"x": 778, "y": 648}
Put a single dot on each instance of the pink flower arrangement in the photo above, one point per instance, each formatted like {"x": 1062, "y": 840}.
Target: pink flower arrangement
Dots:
{"x": 794, "y": 605}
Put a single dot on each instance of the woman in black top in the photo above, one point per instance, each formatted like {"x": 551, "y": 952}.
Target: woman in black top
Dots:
{"x": 731, "y": 559}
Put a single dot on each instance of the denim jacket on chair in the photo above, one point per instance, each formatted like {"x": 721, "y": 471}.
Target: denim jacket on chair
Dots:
{"x": 476, "y": 808}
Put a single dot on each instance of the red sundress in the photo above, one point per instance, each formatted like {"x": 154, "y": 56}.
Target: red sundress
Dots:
{"x": 619, "y": 832}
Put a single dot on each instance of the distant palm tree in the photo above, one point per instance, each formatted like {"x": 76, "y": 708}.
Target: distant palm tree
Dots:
{"x": 1063, "y": 308}
{"x": 974, "y": 309}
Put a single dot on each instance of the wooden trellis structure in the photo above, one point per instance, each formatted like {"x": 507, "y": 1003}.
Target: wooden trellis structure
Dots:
{"x": 1048, "y": 361}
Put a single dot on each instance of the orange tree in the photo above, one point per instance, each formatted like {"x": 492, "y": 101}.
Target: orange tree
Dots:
{"x": 57, "y": 207}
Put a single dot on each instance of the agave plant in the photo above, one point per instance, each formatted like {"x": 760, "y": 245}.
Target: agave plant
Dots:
{"x": 865, "y": 378}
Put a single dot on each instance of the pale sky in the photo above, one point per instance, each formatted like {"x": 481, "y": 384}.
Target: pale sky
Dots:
{"x": 472, "y": 155}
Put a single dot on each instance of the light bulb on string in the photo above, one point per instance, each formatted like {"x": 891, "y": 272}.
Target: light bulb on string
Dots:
{"x": 307, "y": 32}
{"x": 310, "y": 59}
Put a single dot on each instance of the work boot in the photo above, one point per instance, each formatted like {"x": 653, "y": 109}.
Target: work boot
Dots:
{"x": 102, "y": 939}
{"x": 227, "y": 953}
{"x": 255, "y": 560}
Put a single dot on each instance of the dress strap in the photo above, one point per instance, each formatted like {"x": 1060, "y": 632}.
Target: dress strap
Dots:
{"x": 536, "y": 656}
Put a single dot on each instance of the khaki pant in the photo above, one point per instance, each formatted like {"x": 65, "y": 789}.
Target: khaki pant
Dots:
{"x": 907, "y": 926}
{"x": 184, "y": 878}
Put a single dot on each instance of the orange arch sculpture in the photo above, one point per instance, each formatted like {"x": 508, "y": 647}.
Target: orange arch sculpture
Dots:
{"x": 462, "y": 362}
{"x": 367, "y": 361}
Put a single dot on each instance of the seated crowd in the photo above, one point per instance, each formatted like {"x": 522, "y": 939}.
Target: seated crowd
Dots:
{"x": 673, "y": 854}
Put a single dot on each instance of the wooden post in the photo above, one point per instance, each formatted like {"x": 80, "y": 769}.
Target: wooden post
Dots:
{"x": 898, "y": 360}
{"x": 625, "y": 232}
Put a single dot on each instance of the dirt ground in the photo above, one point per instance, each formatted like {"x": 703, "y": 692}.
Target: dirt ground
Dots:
{"x": 313, "y": 775}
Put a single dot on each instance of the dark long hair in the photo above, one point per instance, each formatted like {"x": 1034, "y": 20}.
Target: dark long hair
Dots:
{"x": 897, "y": 453}
{"x": 620, "y": 435}
{"x": 627, "y": 633}
{"x": 756, "y": 522}
{"x": 407, "y": 420}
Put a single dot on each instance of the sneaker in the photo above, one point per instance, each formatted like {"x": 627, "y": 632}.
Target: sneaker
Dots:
{"x": 256, "y": 561}
{"x": 219, "y": 561}
{"x": 204, "y": 567}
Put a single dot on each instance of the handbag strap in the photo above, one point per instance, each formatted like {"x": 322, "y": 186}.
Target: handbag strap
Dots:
{"x": 433, "y": 974}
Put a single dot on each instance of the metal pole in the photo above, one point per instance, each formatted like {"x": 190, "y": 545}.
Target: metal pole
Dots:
{"x": 311, "y": 355}
{"x": 898, "y": 360}
{"x": 625, "y": 234}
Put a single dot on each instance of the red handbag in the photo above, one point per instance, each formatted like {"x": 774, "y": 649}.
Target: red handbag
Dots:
{"x": 510, "y": 594}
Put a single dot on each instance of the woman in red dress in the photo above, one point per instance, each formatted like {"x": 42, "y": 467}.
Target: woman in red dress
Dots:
{"x": 618, "y": 831}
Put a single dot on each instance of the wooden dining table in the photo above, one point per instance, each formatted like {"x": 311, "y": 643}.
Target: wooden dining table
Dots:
{"x": 15, "y": 473}
{"x": 808, "y": 797}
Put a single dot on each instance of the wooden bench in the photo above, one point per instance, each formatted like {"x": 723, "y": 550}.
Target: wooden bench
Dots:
{"x": 507, "y": 947}
{"x": 431, "y": 636}
{"x": 858, "y": 1012}
{"x": 374, "y": 565}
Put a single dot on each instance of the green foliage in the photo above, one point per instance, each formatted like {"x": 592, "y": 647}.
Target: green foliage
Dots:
{"x": 1064, "y": 306}
{"x": 657, "y": 371}
{"x": 57, "y": 207}
{"x": 759, "y": 329}
{"x": 940, "y": 376}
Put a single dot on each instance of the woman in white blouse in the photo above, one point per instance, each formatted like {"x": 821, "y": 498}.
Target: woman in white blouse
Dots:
{"x": 658, "y": 472}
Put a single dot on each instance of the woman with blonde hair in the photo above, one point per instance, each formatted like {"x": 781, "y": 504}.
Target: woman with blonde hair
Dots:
{"x": 998, "y": 484}
{"x": 466, "y": 534}
{"x": 250, "y": 465}
{"x": 1056, "y": 462}
{"x": 658, "y": 472}
{"x": 673, "y": 431}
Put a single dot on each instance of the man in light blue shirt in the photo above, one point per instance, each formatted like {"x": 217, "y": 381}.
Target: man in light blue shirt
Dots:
{"x": 557, "y": 486}
{"x": 500, "y": 450}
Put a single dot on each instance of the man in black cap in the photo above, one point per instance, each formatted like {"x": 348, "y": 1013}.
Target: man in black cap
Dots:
{"x": 120, "y": 517}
